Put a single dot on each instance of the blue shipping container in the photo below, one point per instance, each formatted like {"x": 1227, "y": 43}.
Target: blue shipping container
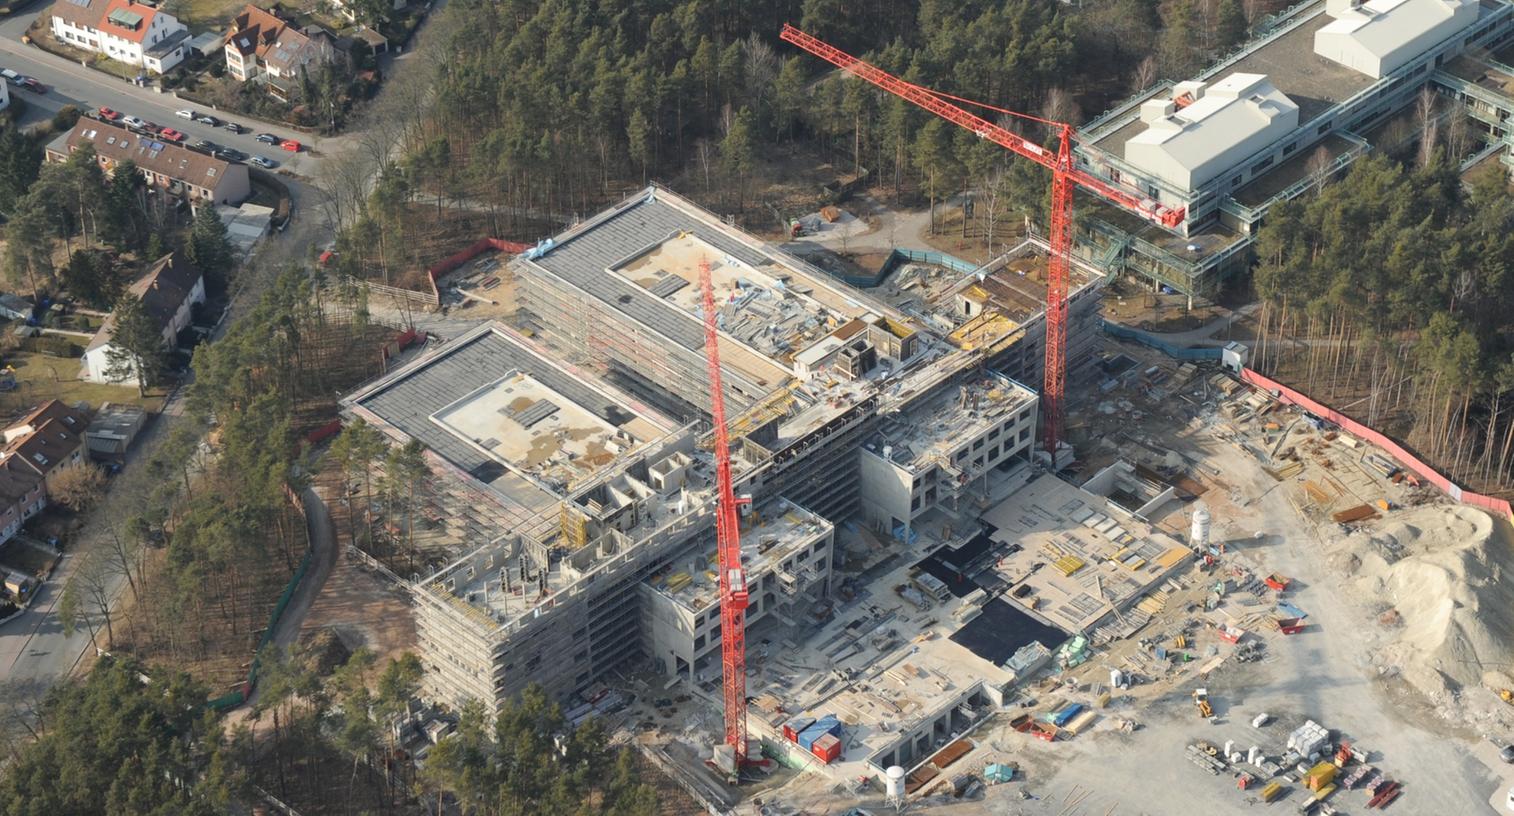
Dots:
{"x": 1065, "y": 715}
{"x": 1292, "y": 611}
{"x": 828, "y": 724}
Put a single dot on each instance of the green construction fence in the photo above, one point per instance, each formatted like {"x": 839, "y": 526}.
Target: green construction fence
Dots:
{"x": 236, "y": 698}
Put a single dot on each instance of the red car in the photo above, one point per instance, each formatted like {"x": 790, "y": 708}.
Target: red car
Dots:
{"x": 109, "y": 115}
{"x": 291, "y": 145}
{"x": 169, "y": 134}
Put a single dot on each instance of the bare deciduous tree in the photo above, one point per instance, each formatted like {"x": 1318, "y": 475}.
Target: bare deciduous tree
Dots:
{"x": 1458, "y": 134}
{"x": 1318, "y": 166}
{"x": 77, "y": 488}
{"x": 1061, "y": 107}
{"x": 1424, "y": 111}
{"x": 1145, "y": 74}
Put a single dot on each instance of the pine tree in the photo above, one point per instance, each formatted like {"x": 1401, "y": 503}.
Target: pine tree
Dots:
{"x": 1230, "y": 27}
{"x": 136, "y": 346}
{"x": 20, "y": 161}
{"x": 208, "y": 247}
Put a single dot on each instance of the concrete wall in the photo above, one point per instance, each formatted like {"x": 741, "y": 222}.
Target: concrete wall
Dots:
{"x": 886, "y": 491}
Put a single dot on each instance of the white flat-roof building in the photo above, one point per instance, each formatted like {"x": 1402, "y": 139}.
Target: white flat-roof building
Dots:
{"x": 1379, "y": 36}
{"x": 1204, "y": 130}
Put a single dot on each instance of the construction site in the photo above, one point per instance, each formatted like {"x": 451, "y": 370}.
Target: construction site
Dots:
{"x": 942, "y": 542}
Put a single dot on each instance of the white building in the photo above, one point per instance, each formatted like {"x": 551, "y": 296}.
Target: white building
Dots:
{"x": 5, "y": 95}
{"x": 942, "y": 452}
{"x": 133, "y": 33}
{"x": 1379, "y": 36}
{"x": 1203, "y": 130}
{"x": 168, "y": 292}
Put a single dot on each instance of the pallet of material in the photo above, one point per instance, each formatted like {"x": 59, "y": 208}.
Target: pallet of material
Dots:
{"x": 1361, "y": 512}
{"x": 1317, "y": 493}
{"x": 1271, "y": 792}
{"x": 1080, "y": 723}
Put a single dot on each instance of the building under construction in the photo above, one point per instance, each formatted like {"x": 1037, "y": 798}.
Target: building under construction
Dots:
{"x": 580, "y": 443}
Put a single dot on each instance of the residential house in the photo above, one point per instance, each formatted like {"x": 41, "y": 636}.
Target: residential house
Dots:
{"x": 196, "y": 176}
{"x": 168, "y": 292}
{"x": 345, "y": 7}
{"x": 134, "y": 33}
{"x": 266, "y": 46}
{"x": 22, "y": 496}
{"x": 48, "y": 441}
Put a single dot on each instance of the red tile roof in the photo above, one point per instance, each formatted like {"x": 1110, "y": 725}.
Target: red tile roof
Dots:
{"x": 136, "y": 34}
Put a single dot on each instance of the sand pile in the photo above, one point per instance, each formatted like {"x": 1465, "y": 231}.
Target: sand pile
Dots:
{"x": 1449, "y": 575}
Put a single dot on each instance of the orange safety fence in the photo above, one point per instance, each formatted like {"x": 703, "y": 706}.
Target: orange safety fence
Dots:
{"x": 1397, "y": 451}
{"x": 475, "y": 249}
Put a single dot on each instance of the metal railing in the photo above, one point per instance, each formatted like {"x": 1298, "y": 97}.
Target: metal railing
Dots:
{"x": 1251, "y": 214}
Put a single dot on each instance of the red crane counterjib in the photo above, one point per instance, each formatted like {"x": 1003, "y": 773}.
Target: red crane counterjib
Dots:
{"x": 930, "y": 101}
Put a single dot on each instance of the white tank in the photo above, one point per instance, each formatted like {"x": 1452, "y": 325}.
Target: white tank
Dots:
{"x": 894, "y": 782}
{"x": 1199, "y": 535}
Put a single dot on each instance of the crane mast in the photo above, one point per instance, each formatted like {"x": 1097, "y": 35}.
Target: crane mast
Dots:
{"x": 1064, "y": 177}
{"x": 733, "y": 589}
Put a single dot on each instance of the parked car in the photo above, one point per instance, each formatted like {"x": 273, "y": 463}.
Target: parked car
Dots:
{"x": 230, "y": 154}
{"x": 31, "y": 85}
{"x": 1506, "y": 753}
{"x": 262, "y": 162}
{"x": 152, "y": 127}
{"x": 207, "y": 145}
{"x": 233, "y": 127}
{"x": 207, "y": 119}
{"x": 268, "y": 138}
{"x": 291, "y": 145}
{"x": 133, "y": 122}
{"x": 186, "y": 113}
{"x": 109, "y": 115}
{"x": 9, "y": 74}
{"x": 171, "y": 135}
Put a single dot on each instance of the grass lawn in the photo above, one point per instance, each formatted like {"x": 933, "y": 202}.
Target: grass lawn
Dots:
{"x": 40, "y": 378}
{"x": 209, "y": 14}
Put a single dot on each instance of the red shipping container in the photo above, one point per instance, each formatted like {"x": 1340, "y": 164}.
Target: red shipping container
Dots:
{"x": 792, "y": 728}
{"x": 827, "y": 748}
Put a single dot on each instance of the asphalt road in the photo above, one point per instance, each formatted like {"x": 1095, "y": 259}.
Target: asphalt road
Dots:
{"x": 69, "y": 83}
{"x": 32, "y": 646}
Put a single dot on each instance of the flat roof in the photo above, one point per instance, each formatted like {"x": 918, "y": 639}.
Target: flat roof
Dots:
{"x": 1079, "y": 560}
{"x": 1014, "y": 285}
{"x": 641, "y": 258}
{"x": 443, "y": 399}
{"x": 1294, "y": 169}
{"x": 903, "y": 663}
{"x": 524, "y": 423}
{"x": 784, "y": 530}
{"x": 1314, "y": 83}
{"x": 928, "y": 434}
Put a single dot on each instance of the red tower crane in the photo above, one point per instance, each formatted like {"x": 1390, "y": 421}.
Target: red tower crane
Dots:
{"x": 1064, "y": 176}
{"x": 733, "y": 591}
